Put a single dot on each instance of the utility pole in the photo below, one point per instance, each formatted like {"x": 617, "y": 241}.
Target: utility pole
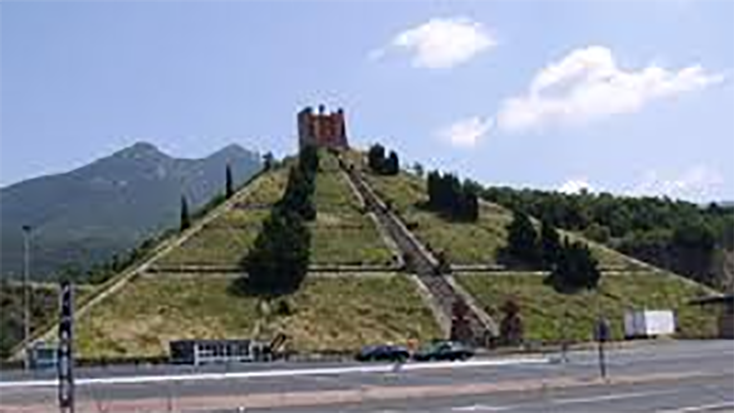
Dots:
{"x": 26, "y": 292}
{"x": 65, "y": 359}
{"x": 564, "y": 337}
{"x": 602, "y": 334}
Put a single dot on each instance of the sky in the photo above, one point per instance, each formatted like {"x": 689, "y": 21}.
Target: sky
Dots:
{"x": 628, "y": 97}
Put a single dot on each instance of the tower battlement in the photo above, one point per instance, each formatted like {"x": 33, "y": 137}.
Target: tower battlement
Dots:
{"x": 322, "y": 129}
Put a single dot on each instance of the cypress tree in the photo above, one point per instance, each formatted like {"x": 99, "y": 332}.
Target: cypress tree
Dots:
{"x": 278, "y": 262}
{"x": 392, "y": 164}
{"x": 576, "y": 268}
{"x": 376, "y": 157}
{"x": 185, "y": 218}
{"x": 550, "y": 244}
{"x": 268, "y": 161}
{"x": 229, "y": 185}
{"x": 522, "y": 239}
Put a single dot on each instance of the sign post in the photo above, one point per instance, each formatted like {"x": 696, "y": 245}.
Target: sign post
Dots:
{"x": 601, "y": 333}
{"x": 65, "y": 366}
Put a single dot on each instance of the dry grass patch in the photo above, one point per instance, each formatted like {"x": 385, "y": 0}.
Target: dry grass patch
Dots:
{"x": 543, "y": 309}
{"x": 346, "y": 313}
{"x": 141, "y": 319}
{"x": 341, "y": 313}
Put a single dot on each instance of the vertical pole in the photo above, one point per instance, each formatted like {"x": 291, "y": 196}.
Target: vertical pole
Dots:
{"x": 65, "y": 365}
{"x": 564, "y": 337}
{"x": 26, "y": 293}
{"x": 602, "y": 361}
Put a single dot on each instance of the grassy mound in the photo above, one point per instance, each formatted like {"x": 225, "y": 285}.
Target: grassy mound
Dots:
{"x": 547, "y": 313}
{"x": 227, "y": 239}
{"x": 463, "y": 242}
{"x": 344, "y": 313}
{"x": 342, "y": 233}
{"x": 326, "y": 313}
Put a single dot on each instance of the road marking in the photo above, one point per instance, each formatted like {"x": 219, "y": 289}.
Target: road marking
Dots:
{"x": 382, "y": 368}
{"x": 590, "y": 399}
{"x": 701, "y": 408}
{"x": 481, "y": 408}
{"x": 606, "y": 397}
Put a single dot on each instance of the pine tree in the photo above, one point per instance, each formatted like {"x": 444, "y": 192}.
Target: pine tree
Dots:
{"x": 376, "y": 157}
{"x": 471, "y": 207}
{"x": 391, "y": 166}
{"x": 575, "y": 269}
{"x": 279, "y": 259}
{"x": 268, "y": 161}
{"x": 185, "y": 218}
{"x": 522, "y": 239}
{"x": 229, "y": 185}
{"x": 550, "y": 244}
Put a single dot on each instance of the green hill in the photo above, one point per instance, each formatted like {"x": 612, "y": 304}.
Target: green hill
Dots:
{"x": 355, "y": 293}
{"x": 86, "y": 216}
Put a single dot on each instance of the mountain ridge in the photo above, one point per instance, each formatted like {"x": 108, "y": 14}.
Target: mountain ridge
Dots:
{"x": 86, "y": 215}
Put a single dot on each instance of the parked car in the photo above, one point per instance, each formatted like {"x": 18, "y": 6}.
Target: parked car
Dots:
{"x": 384, "y": 352}
{"x": 444, "y": 350}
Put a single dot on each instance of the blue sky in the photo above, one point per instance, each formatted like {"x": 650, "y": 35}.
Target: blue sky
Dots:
{"x": 621, "y": 96}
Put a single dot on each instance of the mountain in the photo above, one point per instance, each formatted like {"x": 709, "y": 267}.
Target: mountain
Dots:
{"x": 108, "y": 206}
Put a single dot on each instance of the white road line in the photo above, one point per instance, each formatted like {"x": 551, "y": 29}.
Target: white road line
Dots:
{"x": 382, "y": 368}
{"x": 701, "y": 408}
{"x": 481, "y": 408}
{"x": 590, "y": 399}
{"x": 606, "y": 397}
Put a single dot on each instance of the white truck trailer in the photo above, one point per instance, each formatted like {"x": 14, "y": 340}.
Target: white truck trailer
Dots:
{"x": 648, "y": 323}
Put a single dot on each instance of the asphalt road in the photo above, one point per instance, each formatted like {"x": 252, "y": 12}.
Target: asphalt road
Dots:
{"x": 672, "y": 377}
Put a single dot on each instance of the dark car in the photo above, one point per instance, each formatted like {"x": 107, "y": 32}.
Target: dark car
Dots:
{"x": 383, "y": 352}
{"x": 444, "y": 350}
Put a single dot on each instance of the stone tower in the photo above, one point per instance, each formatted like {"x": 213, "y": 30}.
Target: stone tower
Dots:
{"x": 322, "y": 129}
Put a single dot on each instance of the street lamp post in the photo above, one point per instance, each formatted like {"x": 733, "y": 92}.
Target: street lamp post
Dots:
{"x": 26, "y": 295}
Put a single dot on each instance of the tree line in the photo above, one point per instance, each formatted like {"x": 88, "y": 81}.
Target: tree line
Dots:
{"x": 449, "y": 196}
{"x": 571, "y": 263}
{"x": 379, "y": 163}
{"x": 680, "y": 236}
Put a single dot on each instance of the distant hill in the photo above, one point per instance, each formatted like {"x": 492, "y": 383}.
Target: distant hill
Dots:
{"x": 108, "y": 206}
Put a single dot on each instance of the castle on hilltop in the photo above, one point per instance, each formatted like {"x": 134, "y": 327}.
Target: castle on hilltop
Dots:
{"x": 322, "y": 129}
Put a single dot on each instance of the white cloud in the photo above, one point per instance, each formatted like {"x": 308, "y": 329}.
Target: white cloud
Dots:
{"x": 466, "y": 132}
{"x": 587, "y": 84}
{"x": 575, "y": 186}
{"x": 442, "y": 43}
{"x": 697, "y": 184}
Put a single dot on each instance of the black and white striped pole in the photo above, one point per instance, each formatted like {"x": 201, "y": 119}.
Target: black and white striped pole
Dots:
{"x": 65, "y": 352}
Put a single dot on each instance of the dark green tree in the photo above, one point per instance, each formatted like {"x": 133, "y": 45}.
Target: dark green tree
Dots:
{"x": 308, "y": 159}
{"x": 470, "y": 207}
{"x": 447, "y": 195}
{"x": 550, "y": 244}
{"x": 376, "y": 157}
{"x": 522, "y": 239}
{"x": 575, "y": 269}
{"x": 418, "y": 169}
{"x": 229, "y": 185}
{"x": 391, "y": 166}
{"x": 298, "y": 196}
{"x": 278, "y": 262}
{"x": 268, "y": 161}
{"x": 185, "y": 221}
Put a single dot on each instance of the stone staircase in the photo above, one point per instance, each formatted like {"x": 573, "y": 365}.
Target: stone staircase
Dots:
{"x": 479, "y": 328}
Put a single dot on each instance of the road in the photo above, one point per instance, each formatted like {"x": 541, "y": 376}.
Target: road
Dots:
{"x": 671, "y": 377}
